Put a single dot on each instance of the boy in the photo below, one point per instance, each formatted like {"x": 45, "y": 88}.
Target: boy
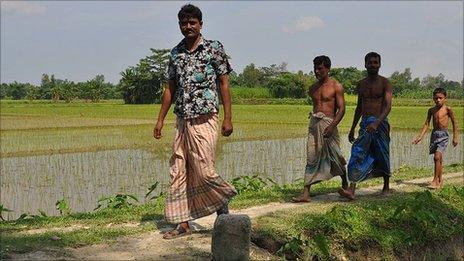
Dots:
{"x": 440, "y": 136}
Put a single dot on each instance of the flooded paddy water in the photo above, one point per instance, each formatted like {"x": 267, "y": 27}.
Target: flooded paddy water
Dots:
{"x": 31, "y": 183}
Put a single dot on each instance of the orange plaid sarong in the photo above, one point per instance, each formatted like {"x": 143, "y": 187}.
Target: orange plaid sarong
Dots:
{"x": 196, "y": 190}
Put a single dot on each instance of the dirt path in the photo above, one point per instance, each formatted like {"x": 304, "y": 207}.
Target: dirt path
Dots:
{"x": 197, "y": 246}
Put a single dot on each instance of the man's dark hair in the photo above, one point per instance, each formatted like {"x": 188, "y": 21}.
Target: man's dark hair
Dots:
{"x": 439, "y": 90}
{"x": 371, "y": 54}
{"x": 189, "y": 11}
{"x": 322, "y": 59}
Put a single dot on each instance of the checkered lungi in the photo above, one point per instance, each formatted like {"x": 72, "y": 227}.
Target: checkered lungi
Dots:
{"x": 196, "y": 190}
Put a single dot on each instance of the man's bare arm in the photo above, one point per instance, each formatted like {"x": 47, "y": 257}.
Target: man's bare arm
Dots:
{"x": 387, "y": 102}
{"x": 386, "y": 107}
{"x": 340, "y": 101}
{"x": 165, "y": 105}
{"x": 424, "y": 127}
{"x": 227, "y": 127}
{"x": 455, "y": 127}
{"x": 357, "y": 115}
{"x": 340, "y": 107}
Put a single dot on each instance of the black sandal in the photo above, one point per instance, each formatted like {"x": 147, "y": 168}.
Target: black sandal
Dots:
{"x": 177, "y": 232}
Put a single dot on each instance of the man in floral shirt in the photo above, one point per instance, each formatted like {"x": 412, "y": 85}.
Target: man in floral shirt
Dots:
{"x": 195, "y": 67}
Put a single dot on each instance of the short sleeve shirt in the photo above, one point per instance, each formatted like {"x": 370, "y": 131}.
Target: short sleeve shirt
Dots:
{"x": 196, "y": 74}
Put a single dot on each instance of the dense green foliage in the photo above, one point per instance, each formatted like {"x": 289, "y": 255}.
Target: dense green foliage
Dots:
{"x": 93, "y": 90}
{"x": 144, "y": 82}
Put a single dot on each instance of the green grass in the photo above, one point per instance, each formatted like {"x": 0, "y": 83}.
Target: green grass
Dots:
{"x": 286, "y": 192}
{"x": 239, "y": 93}
{"x": 37, "y": 128}
{"x": 21, "y": 243}
{"x": 391, "y": 226}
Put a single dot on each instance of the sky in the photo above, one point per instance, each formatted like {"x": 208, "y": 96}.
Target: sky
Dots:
{"x": 76, "y": 40}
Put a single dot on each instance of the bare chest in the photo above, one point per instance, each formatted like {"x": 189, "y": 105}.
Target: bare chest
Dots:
{"x": 323, "y": 95}
{"x": 440, "y": 116}
{"x": 372, "y": 90}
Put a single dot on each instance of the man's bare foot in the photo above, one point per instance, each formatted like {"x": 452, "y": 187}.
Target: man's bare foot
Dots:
{"x": 301, "y": 199}
{"x": 179, "y": 231}
{"x": 346, "y": 193}
{"x": 387, "y": 192}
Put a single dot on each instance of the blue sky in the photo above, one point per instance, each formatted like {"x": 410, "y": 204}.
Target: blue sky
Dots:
{"x": 77, "y": 40}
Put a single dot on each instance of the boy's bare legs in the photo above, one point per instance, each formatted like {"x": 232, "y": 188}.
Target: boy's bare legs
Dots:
{"x": 303, "y": 197}
{"x": 437, "y": 177}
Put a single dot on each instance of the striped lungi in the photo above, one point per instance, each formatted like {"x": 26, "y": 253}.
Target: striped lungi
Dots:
{"x": 324, "y": 156}
{"x": 196, "y": 190}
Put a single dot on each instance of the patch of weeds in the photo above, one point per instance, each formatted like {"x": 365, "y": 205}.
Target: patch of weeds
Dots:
{"x": 63, "y": 207}
{"x": 116, "y": 202}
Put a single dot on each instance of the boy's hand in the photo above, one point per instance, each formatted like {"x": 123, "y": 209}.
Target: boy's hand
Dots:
{"x": 455, "y": 141}
{"x": 416, "y": 140}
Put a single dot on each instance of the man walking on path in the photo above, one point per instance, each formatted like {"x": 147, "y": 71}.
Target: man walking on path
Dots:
{"x": 195, "y": 66}
{"x": 324, "y": 157}
{"x": 370, "y": 153}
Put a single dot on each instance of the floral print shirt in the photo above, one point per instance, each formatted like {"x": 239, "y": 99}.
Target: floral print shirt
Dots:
{"x": 196, "y": 76}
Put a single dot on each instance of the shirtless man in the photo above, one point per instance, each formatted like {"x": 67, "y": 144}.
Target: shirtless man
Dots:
{"x": 324, "y": 157}
{"x": 439, "y": 114}
{"x": 370, "y": 153}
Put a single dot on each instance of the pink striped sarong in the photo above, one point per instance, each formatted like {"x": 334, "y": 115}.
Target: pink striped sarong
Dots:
{"x": 196, "y": 189}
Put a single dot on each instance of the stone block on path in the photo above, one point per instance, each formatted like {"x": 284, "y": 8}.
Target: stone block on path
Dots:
{"x": 231, "y": 237}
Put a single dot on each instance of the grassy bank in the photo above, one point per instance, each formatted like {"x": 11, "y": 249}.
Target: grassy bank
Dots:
{"x": 387, "y": 228}
{"x": 36, "y": 232}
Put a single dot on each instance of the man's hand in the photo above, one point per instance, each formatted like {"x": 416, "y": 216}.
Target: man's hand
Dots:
{"x": 455, "y": 141}
{"x": 157, "y": 130}
{"x": 328, "y": 131}
{"x": 351, "y": 138}
{"x": 417, "y": 140}
{"x": 227, "y": 128}
{"x": 373, "y": 126}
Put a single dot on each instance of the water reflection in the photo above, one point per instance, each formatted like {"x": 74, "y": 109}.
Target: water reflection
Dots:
{"x": 37, "y": 182}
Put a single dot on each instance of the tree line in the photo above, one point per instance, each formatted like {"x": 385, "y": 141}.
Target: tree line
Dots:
{"x": 145, "y": 81}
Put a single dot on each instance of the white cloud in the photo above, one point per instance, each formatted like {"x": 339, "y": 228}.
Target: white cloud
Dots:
{"x": 305, "y": 23}
{"x": 22, "y": 7}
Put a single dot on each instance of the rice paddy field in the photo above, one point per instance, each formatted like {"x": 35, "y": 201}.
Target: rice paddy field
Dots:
{"x": 81, "y": 151}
